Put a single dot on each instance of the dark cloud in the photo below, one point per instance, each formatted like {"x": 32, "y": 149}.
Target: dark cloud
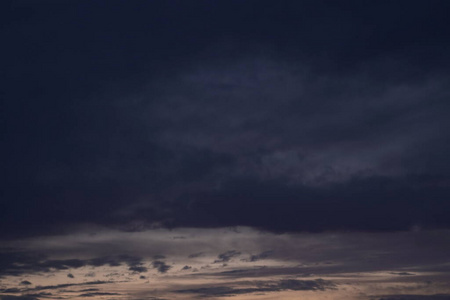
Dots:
{"x": 416, "y": 297}
{"x": 159, "y": 256}
{"x": 138, "y": 269}
{"x": 98, "y": 294}
{"x": 25, "y": 282}
{"x": 54, "y": 287}
{"x": 58, "y": 286}
{"x": 25, "y": 297}
{"x": 195, "y": 255}
{"x": 16, "y": 263}
{"x": 339, "y": 206}
{"x": 161, "y": 266}
{"x": 11, "y": 290}
{"x": 227, "y": 256}
{"x": 70, "y": 275}
{"x": 89, "y": 290}
{"x": 260, "y": 256}
{"x": 40, "y": 295}
{"x": 295, "y": 285}
{"x": 186, "y": 268}
{"x": 296, "y": 116}
{"x": 403, "y": 273}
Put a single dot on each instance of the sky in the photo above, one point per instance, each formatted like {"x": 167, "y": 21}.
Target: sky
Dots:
{"x": 225, "y": 150}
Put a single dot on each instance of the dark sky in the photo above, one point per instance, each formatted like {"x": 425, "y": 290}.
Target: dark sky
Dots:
{"x": 286, "y": 116}
{"x": 242, "y": 149}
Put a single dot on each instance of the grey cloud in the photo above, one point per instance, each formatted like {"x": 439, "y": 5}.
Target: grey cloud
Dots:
{"x": 416, "y": 297}
{"x": 98, "y": 294}
{"x": 402, "y": 273}
{"x": 296, "y": 285}
{"x": 138, "y": 269}
{"x": 16, "y": 263}
{"x": 11, "y": 290}
{"x": 150, "y": 298}
{"x": 195, "y": 255}
{"x": 260, "y": 256}
{"x": 70, "y": 275}
{"x": 161, "y": 266}
{"x": 58, "y": 286}
{"x": 281, "y": 106}
{"x": 41, "y": 294}
{"x": 28, "y": 296}
{"x": 88, "y": 290}
{"x": 227, "y": 256}
{"x": 25, "y": 282}
{"x": 25, "y": 297}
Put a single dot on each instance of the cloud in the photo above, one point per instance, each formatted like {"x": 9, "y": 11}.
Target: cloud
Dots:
{"x": 302, "y": 117}
{"x": 70, "y": 275}
{"x": 25, "y": 297}
{"x": 416, "y": 297}
{"x": 89, "y": 290}
{"x": 295, "y": 285}
{"x": 195, "y": 255}
{"x": 94, "y": 294}
{"x": 138, "y": 269}
{"x": 227, "y": 256}
{"x": 25, "y": 282}
{"x": 11, "y": 290}
{"x": 161, "y": 266}
{"x": 280, "y": 107}
{"x": 260, "y": 256}
{"x": 403, "y": 273}
{"x": 58, "y": 286}
{"x": 16, "y": 263}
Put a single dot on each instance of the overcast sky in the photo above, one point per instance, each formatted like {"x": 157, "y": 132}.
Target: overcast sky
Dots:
{"x": 212, "y": 149}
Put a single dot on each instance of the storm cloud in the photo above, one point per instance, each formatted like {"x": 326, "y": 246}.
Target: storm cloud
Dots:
{"x": 166, "y": 143}
{"x": 284, "y": 130}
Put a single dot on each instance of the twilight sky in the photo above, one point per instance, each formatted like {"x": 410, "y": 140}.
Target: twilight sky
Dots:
{"x": 225, "y": 150}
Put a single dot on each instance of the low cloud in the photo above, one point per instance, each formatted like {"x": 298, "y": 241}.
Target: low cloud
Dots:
{"x": 161, "y": 266}
{"x": 98, "y": 294}
{"x": 260, "y": 256}
{"x": 58, "y": 286}
{"x": 195, "y": 255}
{"x": 18, "y": 263}
{"x": 294, "y": 285}
{"x": 402, "y": 273}
{"x": 138, "y": 269}
{"x": 227, "y": 256}
{"x": 416, "y": 297}
{"x": 7, "y": 297}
